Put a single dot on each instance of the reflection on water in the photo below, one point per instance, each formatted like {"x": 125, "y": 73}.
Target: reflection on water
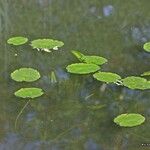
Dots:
{"x": 61, "y": 119}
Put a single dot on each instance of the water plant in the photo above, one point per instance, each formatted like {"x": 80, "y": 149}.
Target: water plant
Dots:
{"x": 107, "y": 77}
{"x": 87, "y": 64}
{"x": 147, "y": 46}
{"x": 19, "y": 40}
{"x": 129, "y": 120}
{"x": 136, "y": 83}
{"x": 31, "y": 92}
{"x": 82, "y": 68}
{"x": 90, "y": 59}
{"x": 25, "y": 74}
{"x": 147, "y": 73}
{"x": 46, "y": 44}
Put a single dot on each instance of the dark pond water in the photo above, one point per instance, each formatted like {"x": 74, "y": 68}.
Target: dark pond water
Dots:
{"x": 61, "y": 120}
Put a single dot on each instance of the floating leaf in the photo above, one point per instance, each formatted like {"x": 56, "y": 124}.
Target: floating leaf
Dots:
{"x": 89, "y": 59}
{"x": 147, "y": 73}
{"x": 82, "y": 68}
{"x": 29, "y": 92}
{"x": 94, "y": 60}
{"x": 107, "y": 77}
{"x": 78, "y": 54}
{"x": 46, "y": 44}
{"x": 25, "y": 74}
{"x": 129, "y": 120}
{"x": 147, "y": 47}
{"x": 17, "y": 40}
{"x": 136, "y": 83}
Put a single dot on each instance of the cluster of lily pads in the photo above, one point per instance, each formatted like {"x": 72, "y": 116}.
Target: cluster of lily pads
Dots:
{"x": 87, "y": 65}
{"x": 92, "y": 64}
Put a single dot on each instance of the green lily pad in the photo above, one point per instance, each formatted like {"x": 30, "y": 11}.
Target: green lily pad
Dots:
{"x": 17, "y": 40}
{"x": 94, "y": 60}
{"x": 147, "y": 73}
{"x": 25, "y": 74}
{"x": 46, "y": 44}
{"x": 78, "y": 54}
{"x": 107, "y": 77}
{"x": 29, "y": 92}
{"x": 136, "y": 83}
{"x": 89, "y": 59}
{"x": 82, "y": 68}
{"x": 147, "y": 47}
{"x": 129, "y": 120}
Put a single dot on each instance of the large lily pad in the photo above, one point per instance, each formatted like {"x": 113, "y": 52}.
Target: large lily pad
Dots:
{"x": 147, "y": 73}
{"x": 29, "y": 92}
{"x": 25, "y": 74}
{"x": 107, "y": 77}
{"x": 17, "y": 40}
{"x": 136, "y": 83}
{"x": 82, "y": 68}
{"x": 147, "y": 47}
{"x": 46, "y": 44}
{"x": 129, "y": 120}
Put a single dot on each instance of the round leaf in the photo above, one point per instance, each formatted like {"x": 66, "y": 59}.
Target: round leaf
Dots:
{"x": 147, "y": 73}
{"x": 25, "y": 74}
{"x": 129, "y": 120}
{"x": 94, "y": 60}
{"x": 136, "y": 83}
{"x": 82, "y": 68}
{"x": 107, "y": 77}
{"x": 29, "y": 92}
{"x": 46, "y": 44}
{"x": 147, "y": 47}
{"x": 17, "y": 40}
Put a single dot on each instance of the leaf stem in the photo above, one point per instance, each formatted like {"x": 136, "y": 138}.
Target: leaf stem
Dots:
{"x": 21, "y": 111}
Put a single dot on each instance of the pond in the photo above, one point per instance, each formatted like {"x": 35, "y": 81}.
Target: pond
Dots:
{"x": 75, "y": 112}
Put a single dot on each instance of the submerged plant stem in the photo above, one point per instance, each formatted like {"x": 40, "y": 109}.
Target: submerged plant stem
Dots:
{"x": 21, "y": 111}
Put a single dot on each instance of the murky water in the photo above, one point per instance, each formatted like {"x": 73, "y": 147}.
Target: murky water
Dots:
{"x": 61, "y": 120}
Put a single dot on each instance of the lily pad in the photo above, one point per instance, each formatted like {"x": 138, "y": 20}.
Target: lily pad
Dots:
{"x": 46, "y": 44}
{"x": 147, "y": 73}
{"x": 89, "y": 59}
{"x": 17, "y": 40}
{"x": 107, "y": 77}
{"x": 129, "y": 120}
{"x": 78, "y": 54}
{"x": 94, "y": 60}
{"x": 82, "y": 68}
{"x": 136, "y": 83}
{"x": 29, "y": 92}
{"x": 147, "y": 47}
{"x": 25, "y": 74}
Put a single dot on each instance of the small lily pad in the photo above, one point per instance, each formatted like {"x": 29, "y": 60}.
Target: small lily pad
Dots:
{"x": 94, "y": 60}
{"x": 136, "y": 83}
{"x": 147, "y": 47}
{"x": 129, "y": 120}
{"x": 46, "y": 44}
{"x": 25, "y": 74}
{"x": 78, "y": 54}
{"x": 107, "y": 77}
{"x": 17, "y": 40}
{"x": 29, "y": 92}
{"x": 82, "y": 68}
{"x": 147, "y": 73}
{"x": 89, "y": 59}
